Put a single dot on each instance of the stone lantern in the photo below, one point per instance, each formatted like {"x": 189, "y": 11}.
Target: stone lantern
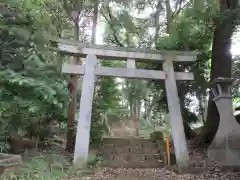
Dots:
{"x": 225, "y": 147}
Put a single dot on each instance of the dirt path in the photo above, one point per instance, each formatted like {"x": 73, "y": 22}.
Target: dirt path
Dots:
{"x": 212, "y": 172}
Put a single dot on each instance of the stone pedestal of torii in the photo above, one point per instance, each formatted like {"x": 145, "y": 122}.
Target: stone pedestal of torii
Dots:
{"x": 225, "y": 147}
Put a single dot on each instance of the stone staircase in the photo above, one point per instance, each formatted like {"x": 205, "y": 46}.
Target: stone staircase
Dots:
{"x": 132, "y": 153}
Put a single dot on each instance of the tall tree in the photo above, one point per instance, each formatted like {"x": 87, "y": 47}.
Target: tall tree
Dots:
{"x": 221, "y": 64}
{"x": 74, "y": 9}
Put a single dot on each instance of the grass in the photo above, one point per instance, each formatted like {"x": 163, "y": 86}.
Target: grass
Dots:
{"x": 47, "y": 166}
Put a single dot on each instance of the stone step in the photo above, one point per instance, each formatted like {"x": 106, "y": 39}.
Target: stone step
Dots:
{"x": 123, "y": 142}
{"x": 130, "y": 150}
{"x": 163, "y": 156}
{"x": 134, "y": 164}
{"x": 133, "y": 146}
{"x": 115, "y": 139}
{"x": 132, "y": 157}
{"x": 114, "y": 150}
{"x": 132, "y": 153}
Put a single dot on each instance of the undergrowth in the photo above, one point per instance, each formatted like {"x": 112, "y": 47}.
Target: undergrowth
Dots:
{"x": 49, "y": 167}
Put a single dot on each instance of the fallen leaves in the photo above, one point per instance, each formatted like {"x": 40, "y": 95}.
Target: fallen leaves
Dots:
{"x": 211, "y": 171}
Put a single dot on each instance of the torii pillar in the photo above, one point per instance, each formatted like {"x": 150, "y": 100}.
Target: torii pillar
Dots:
{"x": 225, "y": 148}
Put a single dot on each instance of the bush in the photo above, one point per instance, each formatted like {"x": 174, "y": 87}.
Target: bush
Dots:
{"x": 38, "y": 168}
{"x": 146, "y": 125}
{"x": 98, "y": 125}
{"x": 154, "y": 136}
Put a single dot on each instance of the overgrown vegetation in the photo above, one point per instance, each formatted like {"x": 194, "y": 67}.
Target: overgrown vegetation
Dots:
{"x": 34, "y": 91}
{"x": 48, "y": 166}
{"x": 35, "y": 95}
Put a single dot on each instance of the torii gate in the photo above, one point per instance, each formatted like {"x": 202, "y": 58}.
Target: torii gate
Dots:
{"x": 90, "y": 70}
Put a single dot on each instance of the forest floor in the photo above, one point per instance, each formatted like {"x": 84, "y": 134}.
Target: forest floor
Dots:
{"x": 210, "y": 171}
{"x": 200, "y": 171}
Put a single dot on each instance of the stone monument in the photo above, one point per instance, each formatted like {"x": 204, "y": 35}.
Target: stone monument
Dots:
{"x": 225, "y": 148}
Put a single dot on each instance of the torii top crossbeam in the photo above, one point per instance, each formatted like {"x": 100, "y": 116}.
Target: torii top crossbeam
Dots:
{"x": 117, "y": 53}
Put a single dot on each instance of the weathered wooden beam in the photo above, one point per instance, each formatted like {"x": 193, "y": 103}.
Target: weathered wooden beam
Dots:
{"x": 176, "y": 120}
{"x": 85, "y": 112}
{"x": 126, "y": 72}
{"x": 117, "y": 53}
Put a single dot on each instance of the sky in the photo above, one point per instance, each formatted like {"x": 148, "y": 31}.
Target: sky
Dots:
{"x": 236, "y": 44}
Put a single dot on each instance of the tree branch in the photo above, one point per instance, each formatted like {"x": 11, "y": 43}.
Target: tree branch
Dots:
{"x": 157, "y": 16}
{"x": 179, "y": 8}
{"x": 110, "y": 22}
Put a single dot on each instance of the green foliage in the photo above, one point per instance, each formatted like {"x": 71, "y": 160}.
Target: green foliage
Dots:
{"x": 192, "y": 30}
{"x": 158, "y": 135}
{"x": 94, "y": 161}
{"x": 41, "y": 167}
{"x": 49, "y": 167}
{"x": 34, "y": 90}
{"x": 145, "y": 125}
{"x": 188, "y": 116}
{"x": 105, "y": 105}
{"x": 98, "y": 127}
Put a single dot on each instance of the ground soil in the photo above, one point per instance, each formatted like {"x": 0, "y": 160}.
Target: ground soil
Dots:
{"x": 201, "y": 170}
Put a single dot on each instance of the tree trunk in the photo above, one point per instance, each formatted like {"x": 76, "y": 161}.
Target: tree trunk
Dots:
{"x": 169, "y": 13}
{"x": 148, "y": 110}
{"x": 237, "y": 117}
{"x": 205, "y": 110}
{"x": 201, "y": 105}
{"x": 189, "y": 133}
{"x": 157, "y": 23}
{"x": 221, "y": 66}
{"x": 71, "y": 115}
{"x": 72, "y": 106}
{"x": 95, "y": 17}
{"x": 137, "y": 117}
{"x": 145, "y": 102}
